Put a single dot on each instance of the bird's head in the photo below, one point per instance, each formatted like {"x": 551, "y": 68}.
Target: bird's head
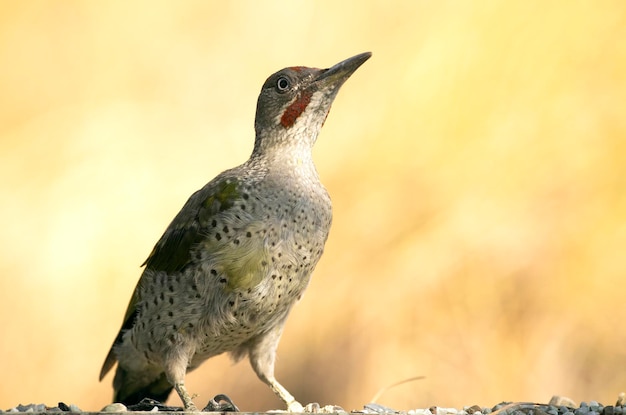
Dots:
{"x": 295, "y": 101}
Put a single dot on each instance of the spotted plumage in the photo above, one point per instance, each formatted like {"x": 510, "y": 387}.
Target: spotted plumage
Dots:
{"x": 229, "y": 267}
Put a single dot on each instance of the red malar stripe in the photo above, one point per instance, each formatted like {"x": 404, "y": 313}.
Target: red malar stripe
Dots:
{"x": 296, "y": 108}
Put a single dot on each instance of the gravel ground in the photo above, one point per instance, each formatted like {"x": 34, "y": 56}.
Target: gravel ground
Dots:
{"x": 221, "y": 403}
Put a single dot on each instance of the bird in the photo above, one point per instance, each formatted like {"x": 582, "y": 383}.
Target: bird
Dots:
{"x": 240, "y": 253}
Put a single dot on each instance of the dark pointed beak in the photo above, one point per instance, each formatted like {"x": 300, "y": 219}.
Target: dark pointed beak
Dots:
{"x": 339, "y": 73}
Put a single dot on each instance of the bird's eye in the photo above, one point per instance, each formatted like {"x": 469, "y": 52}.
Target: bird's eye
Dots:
{"x": 283, "y": 84}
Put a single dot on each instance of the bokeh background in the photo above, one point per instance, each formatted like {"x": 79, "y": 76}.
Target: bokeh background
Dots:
{"x": 477, "y": 165}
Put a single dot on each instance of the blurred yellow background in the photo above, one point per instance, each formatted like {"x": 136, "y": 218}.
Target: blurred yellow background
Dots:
{"x": 477, "y": 165}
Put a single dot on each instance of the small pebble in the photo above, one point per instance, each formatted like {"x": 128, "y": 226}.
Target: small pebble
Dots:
{"x": 583, "y": 410}
{"x": 114, "y": 407}
{"x": 557, "y": 400}
{"x": 473, "y": 409}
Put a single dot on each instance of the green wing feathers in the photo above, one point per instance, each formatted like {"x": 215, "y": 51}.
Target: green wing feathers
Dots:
{"x": 173, "y": 252}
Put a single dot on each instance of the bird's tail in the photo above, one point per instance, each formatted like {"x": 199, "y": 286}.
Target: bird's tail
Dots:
{"x": 130, "y": 389}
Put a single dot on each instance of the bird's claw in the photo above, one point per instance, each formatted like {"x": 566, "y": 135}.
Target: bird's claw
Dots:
{"x": 221, "y": 403}
{"x": 147, "y": 404}
{"x": 311, "y": 408}
{"x": 315, "y": 408}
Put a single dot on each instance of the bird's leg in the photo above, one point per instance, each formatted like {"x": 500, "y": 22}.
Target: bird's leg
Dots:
{"x": 262, "y": 352}
{"x": 176, "y": 369}
{"x": 185, "y": 397}
{"x": 284, "y": 395}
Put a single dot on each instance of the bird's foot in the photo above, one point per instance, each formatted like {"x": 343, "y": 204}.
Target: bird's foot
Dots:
{"x": 221, "y": 403}
{"x": 293, "y": 406}
{"x": 311, "y": 408}
{"x": 185, "y": 397}
{"x": 315, "y": 408}
{"x": 147, "y": 404}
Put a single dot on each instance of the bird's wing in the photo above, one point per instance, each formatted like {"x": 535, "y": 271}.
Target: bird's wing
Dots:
{"x": 173, "y": 252}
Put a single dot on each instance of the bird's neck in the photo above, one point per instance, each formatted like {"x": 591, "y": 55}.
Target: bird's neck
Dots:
{"x": 293, "y": 159}
{"x": 292, "y": 146}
